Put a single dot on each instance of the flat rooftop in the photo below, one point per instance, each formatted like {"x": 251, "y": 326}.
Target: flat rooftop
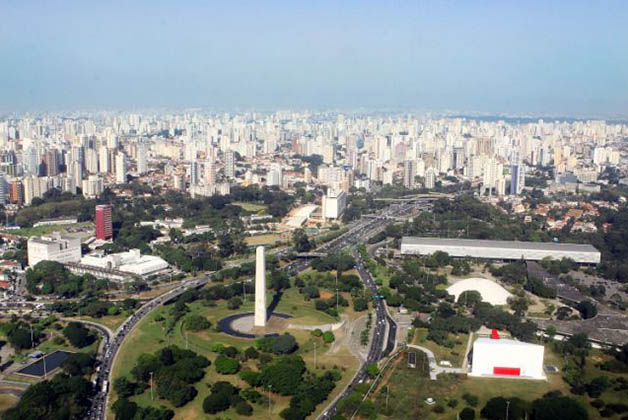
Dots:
{"x": 483, "y": 243}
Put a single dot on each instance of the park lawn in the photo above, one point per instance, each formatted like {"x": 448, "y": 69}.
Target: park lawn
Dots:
{"x": 48, "y": 346}
{"x": 149, "y": 336}
{"x": 44, "y": 230}
{"x": 304, "y": 312}
{"x": 455, "y": 355}
{"x": 194, "y": 409}
{"x": 382, "y": 275}
{"x": 7, "y": 401}
{"x": 264, "y": 239}
{"x": 110, "y": 321}
{"x": 253, "y": 207}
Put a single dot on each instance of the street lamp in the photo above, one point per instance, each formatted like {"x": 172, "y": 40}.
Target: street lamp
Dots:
{"x": 507, "y": 407}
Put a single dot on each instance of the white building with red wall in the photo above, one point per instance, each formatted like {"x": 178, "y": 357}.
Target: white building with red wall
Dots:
{"x": 500, "y": 357}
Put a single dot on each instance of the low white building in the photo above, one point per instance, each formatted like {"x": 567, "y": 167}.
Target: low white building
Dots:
{"x": 500, "y": 250}
{"x": 505, "y": 357}
{"x": 53, "y": 248}
{"x": 129, "y": 262}
{"x": 334, "y": 204}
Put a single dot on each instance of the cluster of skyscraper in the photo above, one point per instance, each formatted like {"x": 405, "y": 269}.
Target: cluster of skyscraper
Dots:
{"x": 208, "y": 153}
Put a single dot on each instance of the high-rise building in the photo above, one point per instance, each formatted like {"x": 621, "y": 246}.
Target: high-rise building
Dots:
{"x": 334, "y": 204}
{"x": 104, "y": 229}
{"x": 194, "y": 176}
{"x": 93, "y": 186}
{"x": 430, "y": 178}
{"x": 409, "y": 173}
{"x": 52, "y": 162}
{"x": 178, "y": 181}
{"x": 517, "y": 179}
{"x": 210, "y": 173}
{"x": 230, "y": 164}
{"x": 142, "y": 164}
{"x": 104, "y": 164}
{"x": 91, "y": 161}
{"x": 275, "y": 176}
{"x": 121, "y": 168}
{"x": 16, "y": 192}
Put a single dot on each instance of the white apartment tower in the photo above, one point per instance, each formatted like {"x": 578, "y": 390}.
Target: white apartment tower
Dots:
{"x": 230, "y": 164}
{"x": 120, "y": 168}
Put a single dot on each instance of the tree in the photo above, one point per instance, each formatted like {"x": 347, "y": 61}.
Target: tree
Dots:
{"x": 20, "y": 337}
{"x": 284, "y": 344}
{"x": 558, "y": 407}
{"x": 124, "y": 409}
{"x": 360, "y": 304}
{"x": 301, "y": 241}
{"x": 244, "y": 409}
{"x": 250, "y": 377}
{"x": 467, "y": 414}
{"x": 196, "y": 322}
{"x": 279, "y": 280}
{"x": 226, "y": 246}
{"x": 328, "y": 337}
{"x": 587, "y": 309}
{"x": 215, "y": 403}
{"x": 495, "y": 409}
{"x": 251, "y": 353}
{"x": 310, "y": 292}
{"x": 234, "y": 303}
{"x": 469, "y": 298}
{"x": 372, "y": 370}
{"x": 79, "y": 364}
{"x": 78, "y": 335}
{"x": 597, "y": 386}
{"x": 283, "y": 374}
{"x": 123, "y": 387}
{"x": 226, "y": 365}
{"x": 62, "y": 397}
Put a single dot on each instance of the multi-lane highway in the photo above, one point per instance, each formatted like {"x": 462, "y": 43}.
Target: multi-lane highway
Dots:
{"x": 112, "y": 346}
{"x": 359, "y": 232}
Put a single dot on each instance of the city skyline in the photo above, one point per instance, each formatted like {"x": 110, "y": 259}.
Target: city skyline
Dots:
{"x": 491, "y": 58}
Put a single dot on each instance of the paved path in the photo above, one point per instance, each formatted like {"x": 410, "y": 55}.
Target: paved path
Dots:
{"x": 435, "y": 370}
{"x": 322, "y": 327}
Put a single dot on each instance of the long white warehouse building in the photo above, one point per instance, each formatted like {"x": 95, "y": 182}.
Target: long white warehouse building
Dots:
{"x": 500, "y": 250}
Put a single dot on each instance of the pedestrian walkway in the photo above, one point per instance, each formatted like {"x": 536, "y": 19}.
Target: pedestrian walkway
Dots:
{"x": 435, "y": 369}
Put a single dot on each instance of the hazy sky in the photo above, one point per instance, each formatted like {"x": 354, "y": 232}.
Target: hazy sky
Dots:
{"x": 533, "y": 57}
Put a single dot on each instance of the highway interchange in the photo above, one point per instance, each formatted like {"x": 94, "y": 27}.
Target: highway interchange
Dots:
{"x": 358, "y": 233}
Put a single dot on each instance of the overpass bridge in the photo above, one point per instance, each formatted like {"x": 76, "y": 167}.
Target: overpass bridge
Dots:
{"x": 417, "y": 197}
{"x": 311, "y": 255}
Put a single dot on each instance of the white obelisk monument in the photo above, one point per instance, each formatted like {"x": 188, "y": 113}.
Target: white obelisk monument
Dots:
{"x": 260, "y": 287}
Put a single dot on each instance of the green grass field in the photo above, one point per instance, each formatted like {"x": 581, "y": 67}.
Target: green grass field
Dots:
{"x": 44, "y": 230}
{"x": 110, "y": 321}
{"x": 265, "y": 239}
{"x": 7, "y": 401}
{"x": 150, "y": 335}
{"x": 252, "y": 207}
{"x": 455, "y": 355}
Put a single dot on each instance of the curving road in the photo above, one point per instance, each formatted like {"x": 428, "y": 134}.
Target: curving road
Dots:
{"x": 110, "y": 350}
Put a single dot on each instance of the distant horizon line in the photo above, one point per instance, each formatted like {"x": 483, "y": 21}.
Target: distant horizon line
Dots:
{"x": 478, "y": 115}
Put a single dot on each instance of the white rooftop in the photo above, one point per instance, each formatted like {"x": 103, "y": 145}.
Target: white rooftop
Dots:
{"x": 491, "y": 291}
